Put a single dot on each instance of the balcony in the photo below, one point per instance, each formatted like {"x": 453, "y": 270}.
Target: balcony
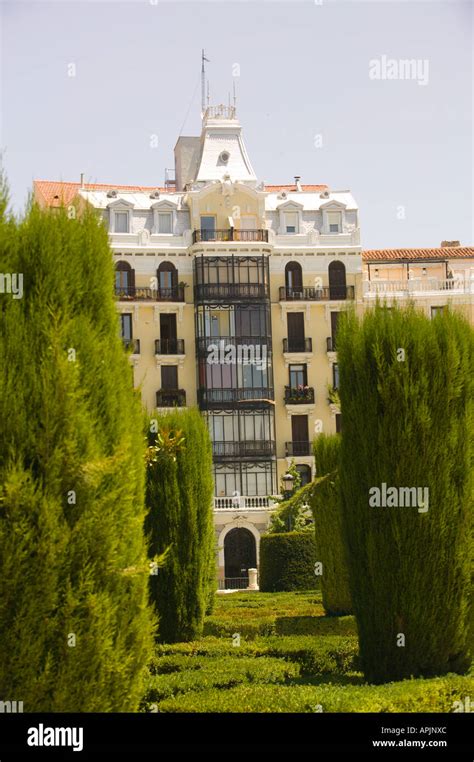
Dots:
{"x": 243, "y": 502}
{"x": 138, "y": 294}
{"x": 231, "y": 397}
{"x": 206, "y": 344}
{"x": 323, "y": 294}
{"x": 169, "y": 346}
{"x": 418, "y": 287}
{"x": 132, "y": 344}
{"x": 230, "y": 291}
{"x": 301, "y": 395}
{"x": 171, "y": 398}
{"x": 298, "y": 345}
{"x": 206, "y": 236}
{"x": 248, "y": 449}
{"x": 298, "y": 449}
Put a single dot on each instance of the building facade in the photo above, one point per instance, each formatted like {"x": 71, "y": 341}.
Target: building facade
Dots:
{"x": 229, "y": 292}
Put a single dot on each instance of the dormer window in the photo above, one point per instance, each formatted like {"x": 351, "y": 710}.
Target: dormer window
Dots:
{"x": 165, "y": 222}
{"x": 291, "y": 222}
{"x": 334, "y": 222}
{"x": 121, "y": 222}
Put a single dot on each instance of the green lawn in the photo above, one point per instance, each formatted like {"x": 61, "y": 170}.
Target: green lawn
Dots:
{"x": 278, "y": 652}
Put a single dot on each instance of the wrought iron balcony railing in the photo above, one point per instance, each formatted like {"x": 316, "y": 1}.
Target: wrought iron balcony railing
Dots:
{"x": 133, "y": 344}
{"x": 299, "y": 395}
{"x": 230, "y": 291}
{"x": 248, "y": 449}
{"x": 255, "y": 346}
{"x": 138, "y": 294}
{"x": 231, "y": 234}
{"x": 171, "y": 398}
{"x": 169, "y": 346}
{"x": 298, "y": 345}
{"x": 298, "y": 448}
{"x": 235, "y": 396}
{"x": 325, "y": 293}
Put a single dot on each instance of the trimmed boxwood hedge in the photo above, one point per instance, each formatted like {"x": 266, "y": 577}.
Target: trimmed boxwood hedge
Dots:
{"x": 287, "y": 562}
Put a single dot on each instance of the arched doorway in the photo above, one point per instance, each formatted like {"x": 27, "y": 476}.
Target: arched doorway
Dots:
{"x": 124, "y": 279}
{"x": 337, "y": 280}
{"x": 240, "y": 555}
{"x": 305, "y": 473}
{"x": 293, "y": 280}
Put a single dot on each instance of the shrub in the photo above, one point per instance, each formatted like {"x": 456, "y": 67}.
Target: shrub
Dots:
{"x": 180, "y": 521}
{"x": 76, "y": 632}
{"x": 315, "y": 625}
{"x": 436, "y": 695}
{"x": 406, "y": 387}
{"x": 326, "y": 507}
{"x": 287, "y": 562}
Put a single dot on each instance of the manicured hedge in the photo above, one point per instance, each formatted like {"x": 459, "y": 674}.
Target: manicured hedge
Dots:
{"x": 435, "y": 695}
{"x": 326, "y": 507}
{"x": 287, "y": 562}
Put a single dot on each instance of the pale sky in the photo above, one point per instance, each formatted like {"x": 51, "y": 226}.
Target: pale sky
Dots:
{"x": 305, "y": 98}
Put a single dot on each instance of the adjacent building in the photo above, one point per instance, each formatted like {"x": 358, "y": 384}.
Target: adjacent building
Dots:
{"x": 229, "y": 292}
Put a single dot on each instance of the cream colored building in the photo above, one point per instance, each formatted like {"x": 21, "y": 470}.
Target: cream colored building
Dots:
{"x": 229, "y": 291}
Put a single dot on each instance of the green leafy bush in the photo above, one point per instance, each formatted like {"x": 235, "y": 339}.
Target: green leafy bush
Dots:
{"x": 326, "y": 506}
{"x": 287, "y": 562}
{"x": 315, "y": 625}
{"x": 435, "y": 695}
{"x": 180, "y": 521}
{"x": 406, "y": 385}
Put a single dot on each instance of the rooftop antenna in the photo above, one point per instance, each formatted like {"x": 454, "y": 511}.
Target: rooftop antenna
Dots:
{"x": 203, "y": 83}
{"x": 208, "y": 96}
{"x": 235, "y": 96}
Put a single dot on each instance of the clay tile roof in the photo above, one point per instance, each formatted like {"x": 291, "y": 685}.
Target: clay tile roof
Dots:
{"x": 392, "y": 255}
{"x": 293, "y": 189}
{"x": 51, "y": 193}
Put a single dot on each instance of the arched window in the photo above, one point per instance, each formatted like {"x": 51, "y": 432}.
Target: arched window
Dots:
{"x": 293, "y": 280}
{"x": 337, "y": 280}
{"x": 124, "y": 279}
{"x": 305, "y": 473}
{"x": 167, "y": 279}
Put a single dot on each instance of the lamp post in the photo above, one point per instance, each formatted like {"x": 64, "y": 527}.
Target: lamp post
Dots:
{"x": 288, "y": 482}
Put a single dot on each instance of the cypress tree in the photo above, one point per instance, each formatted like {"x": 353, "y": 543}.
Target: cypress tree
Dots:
{"x": 406, "y": 402}
{"x": 76, "y": 630}
{"x": 180, "y": 523}
{"x": 326, "y": 507}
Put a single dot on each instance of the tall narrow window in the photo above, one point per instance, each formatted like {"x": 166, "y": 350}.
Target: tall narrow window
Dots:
{"x": 298, "y": 376}
{"x": 121, "y": 222}
{"x": 169, "y": 376}
{"x": 164, "y": 222}
{"x": 126, "y": 326}
{"x": 291, "y": 222}
{"x": 334, "y": 222}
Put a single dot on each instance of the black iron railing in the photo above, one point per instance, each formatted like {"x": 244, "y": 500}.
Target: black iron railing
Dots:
{"x": 298, "y": 345}
{"x": 171, "y": 398}
{"x": 169, "y": 346}
{"x": 230, "y": 234}
{"x": 138, "y": 294}
{"x": 325, "y": 293}
{"x": 249, "y": 449}
{"x": 250, "y": 348}
{"x": 299, "y": 395}
{"x": 234, "y": 396}
{"x": 133, "y": 344}
{"x": 230, "y": 291}
{"x": 298, "y": 448}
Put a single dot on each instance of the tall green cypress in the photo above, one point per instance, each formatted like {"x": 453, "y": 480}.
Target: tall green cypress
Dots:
{"x": 76, "y": 630}
{"x": 180, "y": 522}
{"x": 406, "y": 398}
{"x": 326, "y": 507}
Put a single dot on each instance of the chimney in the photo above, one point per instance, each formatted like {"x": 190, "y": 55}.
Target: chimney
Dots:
{"x": 450, "y": 244}
{"x": 297, "y": 183}
{"x": 82, "y": 179}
